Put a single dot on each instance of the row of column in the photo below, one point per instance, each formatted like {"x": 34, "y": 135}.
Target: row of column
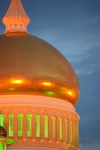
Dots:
{"x": 51, "y": 127}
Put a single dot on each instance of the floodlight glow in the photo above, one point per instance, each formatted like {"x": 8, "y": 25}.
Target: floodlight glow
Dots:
{"x": 47, "y": 83}
{"x": 11, "y": 89}
{"x": 70, "y": 93}
{"x": 50, "y": 92}
{"x": 17, "y": 81}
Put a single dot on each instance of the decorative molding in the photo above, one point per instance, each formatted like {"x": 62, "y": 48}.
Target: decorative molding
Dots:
{"x": 42, "y": 101}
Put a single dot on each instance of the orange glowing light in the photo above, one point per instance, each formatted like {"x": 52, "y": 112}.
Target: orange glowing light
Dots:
{"x": 17, "y": 81}
{"x": 70, "y": 93}
{"x": 47, "y": 83}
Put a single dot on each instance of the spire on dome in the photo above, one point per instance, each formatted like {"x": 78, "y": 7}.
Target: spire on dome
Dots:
{"x": 16, "y": 18}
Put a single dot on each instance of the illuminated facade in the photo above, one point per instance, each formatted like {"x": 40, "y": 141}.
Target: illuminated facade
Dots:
{"x": 38, "y": 89}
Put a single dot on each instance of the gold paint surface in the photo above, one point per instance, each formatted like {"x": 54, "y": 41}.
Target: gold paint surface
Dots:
{"x": 29, "y": 65}
{"x": 3, "y": 132}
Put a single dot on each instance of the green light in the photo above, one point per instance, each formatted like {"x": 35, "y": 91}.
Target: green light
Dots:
{"x": 10, "y": 141}
{"x": 5, "y": 147}
{"x": 11, "y": 127}
{"x": 54, "y": 127}
{"x": 5, "y": 141}
{"x": 11, "y": 89}
{"x": 37, "y": 125}
{"x": 1, "y": 147}
{"x": 46, "y": 126}
{"x": 29, "y": 125}
{"x": 50, "y": 92}
{"x": 20, "y": 124}
{"x": 2, "y": 120}
{"x": 61, "y": 129}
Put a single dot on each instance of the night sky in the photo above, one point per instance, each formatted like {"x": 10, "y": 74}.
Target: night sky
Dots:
{"x": 73, "y": 27}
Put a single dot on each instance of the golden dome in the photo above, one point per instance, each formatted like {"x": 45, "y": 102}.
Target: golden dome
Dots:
{"x": 3, "y": 132}
{"x": 29, "y": 65}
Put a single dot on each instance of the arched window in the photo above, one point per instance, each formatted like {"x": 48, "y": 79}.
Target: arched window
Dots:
{"x": 61, "y": 127}
{"x": 77, "y": 133}
{"x": 71, "y": 131}
{"x": 11, "y": 125}
{"x": 2, "y": 116}
{"x": 15, "y": 25}
{"x": 38, "y": 125}
{"x": 20, "y": 124}
{"x": 54, "y": 127}
{"x": 29, "y": 125}
{"x": 67, "y": 130}
{"x": 10, "y": 25}
{"x": 46, "y": 126}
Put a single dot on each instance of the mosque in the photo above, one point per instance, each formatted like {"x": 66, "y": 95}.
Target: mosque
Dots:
{"x": 38, "y": 90}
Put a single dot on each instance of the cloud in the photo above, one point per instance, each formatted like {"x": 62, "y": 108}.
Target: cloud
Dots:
{"x": 88, "y": 62}
{"x": 80, "y": 45}
{"x": 88, "y": 107}
{"x": 78, "y": 40}
{"x": 87, "y": 67}
{"x": 91, "y": 146}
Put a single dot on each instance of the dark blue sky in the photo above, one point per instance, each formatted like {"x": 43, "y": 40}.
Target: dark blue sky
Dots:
{"x": 73, "y": 27}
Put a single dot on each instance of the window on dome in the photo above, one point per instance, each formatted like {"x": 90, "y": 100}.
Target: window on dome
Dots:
{"x": 29, "y": 125}
{"x": 74, "y": 133}
{"x": 11, "y": 125}
{"x": 20, "y": 124}
{"x": 54, "y": 127}
{"x": 67, "y": 129}
{"x": 2, "y": 116}
{"x": 61, "y": 127}
{"x": 15, "y": 25}
{"x": 10, "y": 25}
{"x": 77, "y": 133}
{"x": 38, "y": 125}
{"x": 46, "y": 126}
{"x": 71, "y": 131}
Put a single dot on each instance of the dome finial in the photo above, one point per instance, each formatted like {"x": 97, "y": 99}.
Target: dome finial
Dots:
{"x": 16, "y": 18}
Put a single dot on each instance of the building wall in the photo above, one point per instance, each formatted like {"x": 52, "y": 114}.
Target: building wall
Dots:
{"x": 35, "y": 121}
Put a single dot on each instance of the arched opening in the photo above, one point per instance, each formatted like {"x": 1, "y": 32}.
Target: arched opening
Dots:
{"x": 2, "y": 116}
{"x": 61, "y": 127}
{"x": 29, "y": 125}
{"x": 71, "y": 131}
{"x": 11, "y": 124}
{"x": 38, "y": 129}
{"x": 46, "y": 126}
{"x": 54, "y": 124}
{"x": 20, "y": 124}
{"x": 15, "y": 25}
{"x": 67, "y": 130}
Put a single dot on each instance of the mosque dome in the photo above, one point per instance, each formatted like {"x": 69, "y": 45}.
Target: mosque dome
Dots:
{"x": 31, "y": 66}
{"x": 3, "y": 132}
